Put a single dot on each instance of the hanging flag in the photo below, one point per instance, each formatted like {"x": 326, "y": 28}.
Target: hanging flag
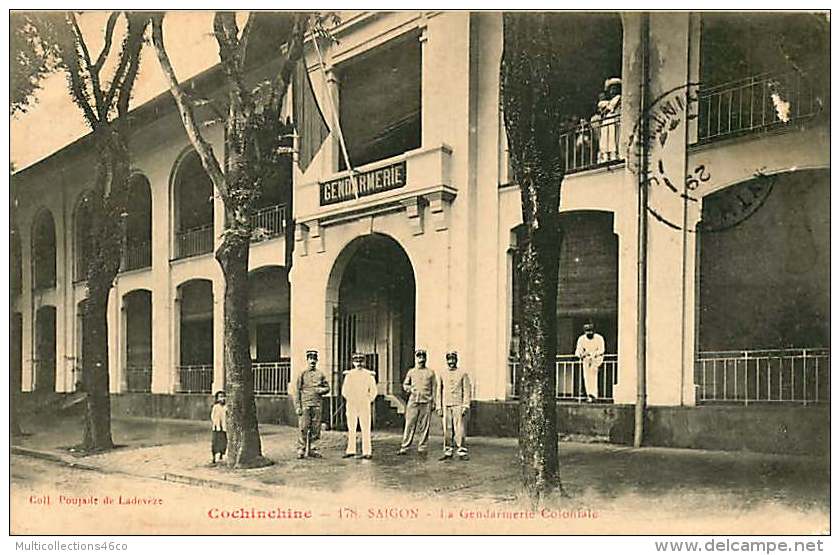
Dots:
{"x": 309, "y": 121}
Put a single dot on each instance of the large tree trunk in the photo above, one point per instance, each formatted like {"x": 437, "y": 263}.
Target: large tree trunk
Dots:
{"x": 244, "y": 445}
{"x": 532, "y": 114}
{"x": 96, "y": 378}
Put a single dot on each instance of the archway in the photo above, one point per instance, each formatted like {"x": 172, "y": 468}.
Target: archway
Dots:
{"x": 45, "y": 349}
{"x": 371, "y": 297}
{"x": 43, "y": 251}
{"x": 269, "y": 329}
{"x": 195, "y": 327}
{"x": 138, "y": 225}
{"x": 138, "y": 340}
{"x": 192, "y": 207}
{"x": 764, "y": 290}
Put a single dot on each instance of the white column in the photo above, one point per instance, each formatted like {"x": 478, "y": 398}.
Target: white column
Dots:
{"x": 218, "y": 333}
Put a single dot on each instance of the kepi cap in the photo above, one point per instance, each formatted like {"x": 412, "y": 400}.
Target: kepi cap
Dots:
{"x": 312, "y": 353}
{"x": 419, "y": 352}
{"x": 358, "y": 356}
{"x": 452, "y": 354}
{"x": 612, "y": 81}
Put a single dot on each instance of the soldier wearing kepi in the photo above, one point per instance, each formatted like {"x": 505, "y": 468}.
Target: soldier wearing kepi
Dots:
{"x": 311, "y": 386}
{"x": 420, "y": 383}
{"x": 359, "y": 391}
{"x": 454, "y": 396}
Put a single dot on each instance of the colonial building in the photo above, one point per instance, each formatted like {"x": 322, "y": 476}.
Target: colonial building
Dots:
{"x": 417, "y": 247}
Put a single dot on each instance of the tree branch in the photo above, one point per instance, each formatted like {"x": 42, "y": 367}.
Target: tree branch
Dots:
{"x": 109, "y": 35}
{"x": 202, "y": 147}
{"x": 133, "y": 45}
{"x": 93, "y": 71}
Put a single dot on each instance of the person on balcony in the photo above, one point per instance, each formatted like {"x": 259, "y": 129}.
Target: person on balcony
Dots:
{"x": 359, "y": 391}
{"x": 454, "y": 394}
{"x": 420, "y": 383}
{"x": 590, "y": 351}
{"x": 311, "y": 386}
{"x": 611, "y": 109}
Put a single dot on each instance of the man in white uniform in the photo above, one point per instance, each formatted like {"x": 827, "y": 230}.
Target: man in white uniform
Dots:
{"x": 590, "y": 351}
{"x": 359, "y": 391}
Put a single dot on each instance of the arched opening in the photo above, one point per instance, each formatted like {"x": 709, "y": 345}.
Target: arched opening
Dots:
{"x": 81, "y": 242}
{"x": 593, "y": 97}
{"x": 138, "y": 340}
{"x": 764, "y": 287}
{"x": 44, "y": 360}
{"x": 43, "y": 251}
{"x": 138, "y": 225}
{"x": 269, "y": 329}
{"x": 193, "y": 208}
{"x": 587, "y": 291}
{"x": 371, "y": 293}
{"x": 195, "y": 325}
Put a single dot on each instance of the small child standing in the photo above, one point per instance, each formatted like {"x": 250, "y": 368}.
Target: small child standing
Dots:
{"x": 218, "y": 419}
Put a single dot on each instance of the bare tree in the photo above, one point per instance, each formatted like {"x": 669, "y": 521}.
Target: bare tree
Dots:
{"x": 532, "y": 104}
{"x": 253, "y": 139}
{"x": 104, "y": 102}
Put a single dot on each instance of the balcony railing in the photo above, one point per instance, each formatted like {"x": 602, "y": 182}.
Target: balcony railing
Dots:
{"x": 139, "y": 379}
{"x": 197, "y": 378}
{"x": 137, "y": 255}
{"x": 272, "y": 378}
{"x": 756, "y": 103}
{"x": 569, "y": 374}
{"x": 268, "y": 222}
{"x": 590, "y": 145}
{"x": 193, "y": 242}
{"x": 763, "y": 376}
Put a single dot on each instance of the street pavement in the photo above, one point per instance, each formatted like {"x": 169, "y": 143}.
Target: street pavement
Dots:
{"x": 608, "y": 489}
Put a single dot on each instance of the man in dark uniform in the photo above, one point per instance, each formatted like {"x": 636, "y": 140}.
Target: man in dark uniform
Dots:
{"x": 311, "y": 386}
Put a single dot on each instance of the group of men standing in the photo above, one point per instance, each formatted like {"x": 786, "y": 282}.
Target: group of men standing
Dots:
{"x": 448, "y": 393}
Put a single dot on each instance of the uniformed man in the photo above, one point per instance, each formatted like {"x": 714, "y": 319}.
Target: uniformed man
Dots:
{"x": 454, "y": 395}
{"x": 311, "y": 386}
{"x": 420, "y": 383}
{"x": 359, "y": 391}
{"x": 590, "y": 351}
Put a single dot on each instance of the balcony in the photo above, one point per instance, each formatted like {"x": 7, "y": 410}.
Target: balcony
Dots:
{"x": 268, "y": 222}
{"x": 139, "y": 379}
{"x": 569, "y": 378}
{"x": 196, "y": 378}
{"x": 194, "y": 242}
{"x": 799, "y": 376}
{"x": 758, "y": 103}
{"x": 272, "y": 378}
{"x": 136, "y": 256}
{"x": 591, "y": 145}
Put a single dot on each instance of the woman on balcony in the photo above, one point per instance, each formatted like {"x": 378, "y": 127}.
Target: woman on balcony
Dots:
{"x": 611, "y": 109}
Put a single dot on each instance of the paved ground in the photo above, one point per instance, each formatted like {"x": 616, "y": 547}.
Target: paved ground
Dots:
{"x": 611, "y": 489}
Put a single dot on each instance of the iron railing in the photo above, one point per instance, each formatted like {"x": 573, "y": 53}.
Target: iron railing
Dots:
{"x": 272, "y": 378}
{"x": 137, "y": 255}
{"x": 196, "y": 378}
{"x": 569, "y": 374}
{"x": 139, "y": 379}
{"x": 763, "y": 376}
{"x": 755, "y": 103}
{"x": 589, "y": 145}
{"x": 193, "y": 242}
{"x": 268, "y": 222}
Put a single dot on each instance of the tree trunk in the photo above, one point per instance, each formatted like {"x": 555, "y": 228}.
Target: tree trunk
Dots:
{"x": 244, "y": 445}
{"x": 96, "y": 377}
{"x": 531, "y": 81}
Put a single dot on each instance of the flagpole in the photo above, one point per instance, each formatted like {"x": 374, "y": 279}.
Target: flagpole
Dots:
{"x": 334, "y": 114}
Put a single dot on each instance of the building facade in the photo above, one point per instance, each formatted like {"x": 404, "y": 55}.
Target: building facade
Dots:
{"x": 418, "y": 247}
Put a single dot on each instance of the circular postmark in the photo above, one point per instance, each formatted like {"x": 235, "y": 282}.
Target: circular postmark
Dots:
{"x": 656, "y": 156}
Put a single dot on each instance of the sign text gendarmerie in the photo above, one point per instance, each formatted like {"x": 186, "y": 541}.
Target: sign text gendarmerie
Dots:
{"x": 369, "y": 183}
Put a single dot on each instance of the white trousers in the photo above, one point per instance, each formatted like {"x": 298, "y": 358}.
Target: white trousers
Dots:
{"x": 590, "y": 375}
{"x": 358, "y": 416}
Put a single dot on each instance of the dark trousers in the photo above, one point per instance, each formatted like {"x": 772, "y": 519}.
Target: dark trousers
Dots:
{"x": 309, "y": 425}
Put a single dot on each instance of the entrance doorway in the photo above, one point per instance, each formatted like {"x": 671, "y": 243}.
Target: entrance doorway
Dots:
{"x": 45, "y": 349}
{"x": 372, "y": 292}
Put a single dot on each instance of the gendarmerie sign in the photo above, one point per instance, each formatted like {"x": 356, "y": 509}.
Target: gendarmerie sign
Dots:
{"x": 369, "y": 183}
